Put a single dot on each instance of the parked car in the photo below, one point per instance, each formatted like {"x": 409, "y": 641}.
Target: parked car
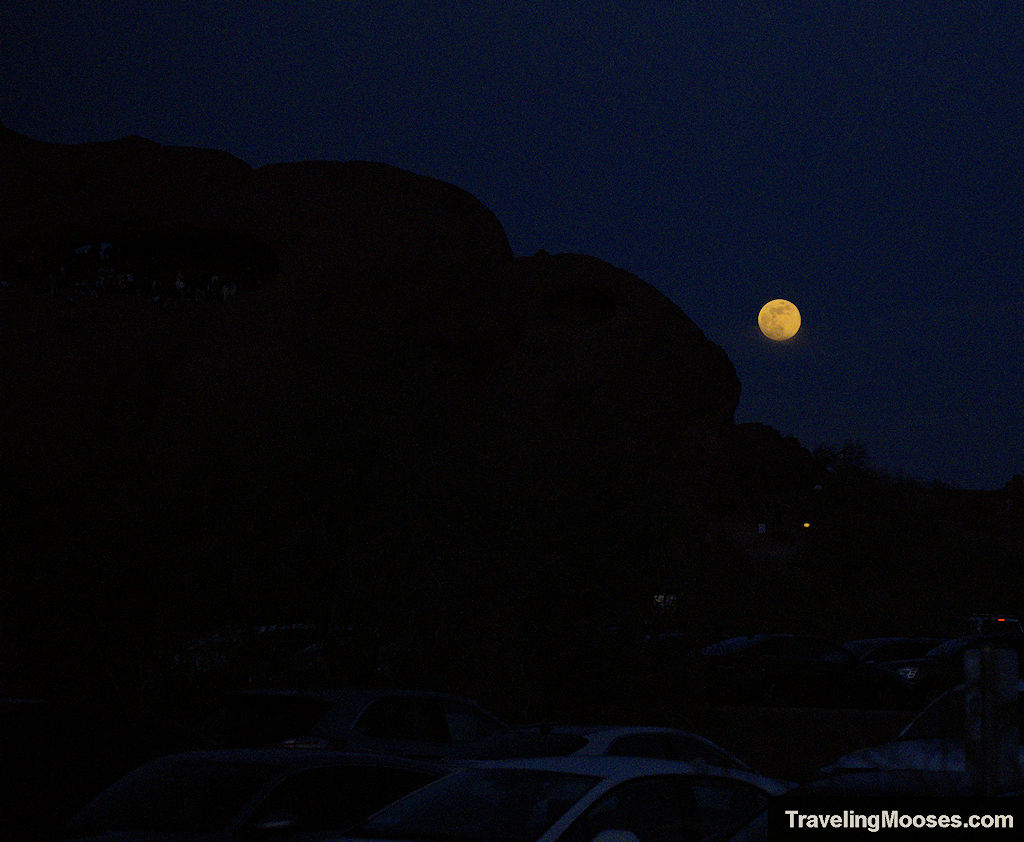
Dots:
{"x": 576, "y": 799}
{"x": 56, "y": 755}
{"x": 794, "y": 671}
{"x": 933, "y": 740}
{"x": 645, "y": 741}
{"x": 246, "y": 794}
{"x": 942, "y": 666}
{"x": 408, "y": 723}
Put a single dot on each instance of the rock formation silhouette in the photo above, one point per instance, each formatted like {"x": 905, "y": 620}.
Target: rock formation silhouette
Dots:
{"x": 328, "y": 391}
{"x": 394, "y": 419}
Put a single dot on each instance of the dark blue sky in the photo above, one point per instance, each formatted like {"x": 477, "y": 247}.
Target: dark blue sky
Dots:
{"x": 862, "y": 159}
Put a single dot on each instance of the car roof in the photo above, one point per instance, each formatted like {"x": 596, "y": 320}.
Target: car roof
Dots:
{"x": 625, "y": 768}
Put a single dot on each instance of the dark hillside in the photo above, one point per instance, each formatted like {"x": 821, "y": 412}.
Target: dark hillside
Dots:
{"x": 387, "y": 422}
{"x": 328, "y": 393}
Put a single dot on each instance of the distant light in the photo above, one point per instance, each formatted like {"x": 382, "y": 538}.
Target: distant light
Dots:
{"x": 806, "y": 525}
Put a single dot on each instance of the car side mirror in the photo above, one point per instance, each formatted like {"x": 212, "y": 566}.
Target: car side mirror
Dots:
{"x": 616, "y": 836}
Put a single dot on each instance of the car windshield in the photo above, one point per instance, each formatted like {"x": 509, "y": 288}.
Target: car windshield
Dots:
{"x": 512, "y": 805}
{"x": 175, "y": 795}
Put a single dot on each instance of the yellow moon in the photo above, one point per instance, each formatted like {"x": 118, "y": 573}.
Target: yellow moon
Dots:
{"x": 779, "y": 320}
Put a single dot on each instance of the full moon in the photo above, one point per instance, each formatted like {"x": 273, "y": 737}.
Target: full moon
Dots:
{"x": 779, "y": 320}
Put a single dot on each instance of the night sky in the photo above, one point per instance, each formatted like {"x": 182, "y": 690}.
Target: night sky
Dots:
{"x": 862, "y": 160}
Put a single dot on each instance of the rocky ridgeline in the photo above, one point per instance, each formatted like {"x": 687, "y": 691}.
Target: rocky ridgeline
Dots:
{"x": 395, "y": 423}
